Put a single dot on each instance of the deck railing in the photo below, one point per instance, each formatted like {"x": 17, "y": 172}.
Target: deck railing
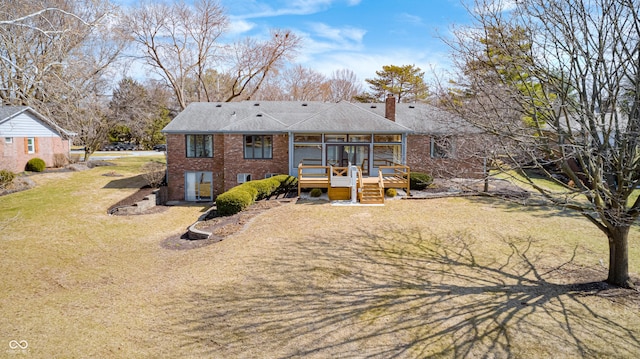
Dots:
{"x": 396, "y": 176}
{"x": 313, "y": 177}
{"x": 391, "y": 176}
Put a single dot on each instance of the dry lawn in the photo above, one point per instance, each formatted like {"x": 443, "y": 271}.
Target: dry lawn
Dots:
{"x": 413, "y": 279}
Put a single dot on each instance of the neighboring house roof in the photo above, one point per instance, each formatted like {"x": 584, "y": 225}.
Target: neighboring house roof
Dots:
{"x": 7, "y": 113}
{"x": 311, "y": 117}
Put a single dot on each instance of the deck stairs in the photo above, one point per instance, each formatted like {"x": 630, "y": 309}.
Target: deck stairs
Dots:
{"x": 372, "y": 193}
{"x": 347, "y": 183}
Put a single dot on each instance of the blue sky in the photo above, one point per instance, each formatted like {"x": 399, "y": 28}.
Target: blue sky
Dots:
{"x": 361, "y": 35}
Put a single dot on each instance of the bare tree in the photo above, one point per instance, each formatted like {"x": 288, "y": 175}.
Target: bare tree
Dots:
{"x": 40, "y": 45}
{"x": 565, "y": 106}
{"x": 304, "y": 84}
{"x": 344, "y": 85}
{"x": 253, "y": 61}
{"x": 179, "y": 41}
{"x": 58, "y": 59}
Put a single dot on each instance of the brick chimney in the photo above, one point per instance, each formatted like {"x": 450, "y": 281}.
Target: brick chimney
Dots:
{"x": 390, "y": 107}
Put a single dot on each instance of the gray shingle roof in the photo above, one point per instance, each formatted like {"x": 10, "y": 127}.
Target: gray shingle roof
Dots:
{"x": 310, "y": 117}
{"x": 9, "y": 111}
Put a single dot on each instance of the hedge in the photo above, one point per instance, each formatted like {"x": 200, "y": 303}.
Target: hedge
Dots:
{"x": 233, "y": 201}
{"x": 240, "y": 197}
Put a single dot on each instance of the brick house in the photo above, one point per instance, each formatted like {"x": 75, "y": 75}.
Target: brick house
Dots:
{"x": 26, "y": 134}
{"x": 212, "y": 147}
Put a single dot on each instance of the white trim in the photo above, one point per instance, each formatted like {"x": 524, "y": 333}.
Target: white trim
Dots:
{"x": 31, "y": 145}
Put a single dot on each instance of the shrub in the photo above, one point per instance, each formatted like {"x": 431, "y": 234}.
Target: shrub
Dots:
{"x": 240, "y": 197}
{"x": 391, "y": 192}
{"x": 286, "y": 180}
{"x": 60, "y": 160}
{"x": 6, "y": 177}
{"x": 264, "y": 187}
{"x": 316, "y": 192}
{"x": 252, "y": 191}
{"x": 153, "y": 173}
{"x": 35, "y": 165}
{"x": 419, "y": 181}
{"x": 234, "y": 201}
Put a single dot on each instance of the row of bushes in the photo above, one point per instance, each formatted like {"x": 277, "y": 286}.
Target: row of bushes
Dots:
{"x": 244, "y": 195}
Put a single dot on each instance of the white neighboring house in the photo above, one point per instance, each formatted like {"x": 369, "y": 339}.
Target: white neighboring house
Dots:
{"x": 26, "y": 134}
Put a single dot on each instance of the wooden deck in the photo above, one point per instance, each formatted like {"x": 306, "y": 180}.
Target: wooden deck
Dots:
{"x": 391, "y": 176}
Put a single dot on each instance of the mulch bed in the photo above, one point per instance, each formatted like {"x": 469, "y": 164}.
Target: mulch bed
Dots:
{"x": 221, "y": 227}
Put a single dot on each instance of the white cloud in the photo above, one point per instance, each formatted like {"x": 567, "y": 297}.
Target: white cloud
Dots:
{"x": 365, "y": 65}
{"x": 295, "y": 7}
{"x": 340, "y": 35}
{"x": 495, "y": 5}
{"x": 408, "y": 18}
{"x": 239, "y": 26}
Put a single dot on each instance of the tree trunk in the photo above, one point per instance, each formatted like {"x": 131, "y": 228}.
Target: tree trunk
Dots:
{"x": 619, "y": 257}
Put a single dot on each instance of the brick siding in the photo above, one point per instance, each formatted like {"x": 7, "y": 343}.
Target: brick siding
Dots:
{"x": 13, "y": 155}
{"x": 228, "y": 160}
{"x": 464, "y": 164}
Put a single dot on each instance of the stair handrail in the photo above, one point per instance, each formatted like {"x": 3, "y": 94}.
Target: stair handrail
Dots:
{"x": 360, "y": 185}
{"x": 381, "y": 184}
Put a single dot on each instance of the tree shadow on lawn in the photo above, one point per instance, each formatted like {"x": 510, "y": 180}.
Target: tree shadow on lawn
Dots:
{"x": 127, "y": 182}
{"x": 536, "y": 209}
{"x": 405, "y": 293}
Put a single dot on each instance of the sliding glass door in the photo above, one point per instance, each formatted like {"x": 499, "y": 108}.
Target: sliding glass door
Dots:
{"x": 341, "y": 155}
{"x": 198, "y": 186}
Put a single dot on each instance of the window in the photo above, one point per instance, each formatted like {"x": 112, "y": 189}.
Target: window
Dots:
{"x": 199, "y": 145}
{"x": 198, "y": 186}
{"x": 387, "y": 155}
{"x": 335, "y": 138}
{"x": 31, "y": 145}
{"x": 359, "y": 138}
{"x": 258, "y": 146}
{"x": 244, "y": 177}
{"x": 8, "y": 140}
{"x": 310, "y": 155}
{"x": 387, "y": 138}
{"x": 308, "y": 138}
{"x": 442, "y": 147}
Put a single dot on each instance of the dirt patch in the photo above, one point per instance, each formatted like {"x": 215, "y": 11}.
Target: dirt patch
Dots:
{"x": 221, "y": 227}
